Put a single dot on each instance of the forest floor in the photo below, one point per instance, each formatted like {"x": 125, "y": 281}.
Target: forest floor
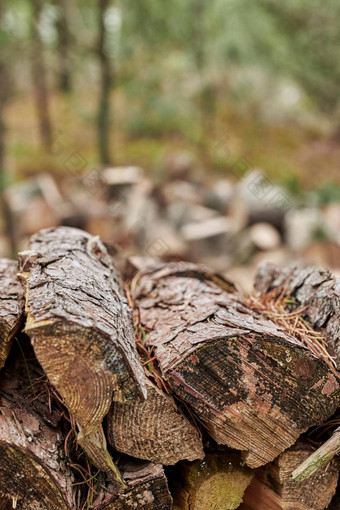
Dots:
{"x": 298, "y": 157}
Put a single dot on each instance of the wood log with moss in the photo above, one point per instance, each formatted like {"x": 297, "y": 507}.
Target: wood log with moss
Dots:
{"x": 319, "y": 458}
{"x": 81, "y": 329}
{"x": 11, "y": 305}
{"x": 317, "y": 291}
{"x": 273, "y": 488}
{"x": 154, "y": 429}
{"x": 254, "y": 385}
{"x": 146, "y": 488}
{"x": 217, "y": 482}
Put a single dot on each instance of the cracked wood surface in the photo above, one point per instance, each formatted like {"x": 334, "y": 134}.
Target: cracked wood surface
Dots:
{"x": 273, "y": 489}
{"x": 146, "y": 488}
{"x": 154, "y": 429}
{"x": 255, "y": 387}
{"x": 11, "y": 305}
{"x": 316, "y": 289}
{"x": 32, "y": 474}
{"x": 81, "y": 329}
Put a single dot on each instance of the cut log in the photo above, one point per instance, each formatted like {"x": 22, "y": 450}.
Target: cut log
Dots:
{"x": 32, "y": 474}
{"x": 317, "y": 290}
{"x": 41, "y": 465}
{"x": 153, "y": 429}
{"x": 81, "y": 329}
{"x": 273, "y": 489}
{"x": 217, "y": 482}
{"x": 147, "y": 488}
{"x": 319, "y": 458}
{"x": 255, "y": 387}
{"x": 11, "y": 305}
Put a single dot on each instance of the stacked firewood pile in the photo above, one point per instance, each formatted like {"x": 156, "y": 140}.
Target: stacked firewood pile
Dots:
{"x": 231, "y": 225}
{"x": 170, "y": 391}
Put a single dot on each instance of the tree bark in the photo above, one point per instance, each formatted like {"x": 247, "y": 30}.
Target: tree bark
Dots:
{"x": 153, "y": 429}
{"x": 81, "y": 329}
{"x": 315, "y": 289}
{"x": 33, "y": 475}
{"x": 106, "y": 79}
{"x": 147, "y": 488}
{"x": 11, "y": 306}
{"x": 217, "y": 482}
{"x": 39, "y": 78}
{"x": 255, "y": 387}
{"x": 63, "y": 46}
{"x": 273, "y": 489}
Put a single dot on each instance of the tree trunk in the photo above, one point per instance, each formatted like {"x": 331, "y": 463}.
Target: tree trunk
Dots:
{"x": 80, "y": 326}
{"x": 11, "y": 306}
{"x": 255, "y": 387}
{"x": 9, "y": 226}
{"x": 317, "y": 290}
{"x": 63, "y": 46}
{"x": 39, "y": 78}
{"x": 147, "y": 488}
{"x": 273, "y": 489}
{"x": 106, "y": 80}
{"x": 218, "y": 482}
{"x": 153, "y": 429}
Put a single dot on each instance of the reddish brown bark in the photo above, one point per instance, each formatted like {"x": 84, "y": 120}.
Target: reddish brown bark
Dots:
{"x": 255, "y": 387}
{"x": 317, "y": 290}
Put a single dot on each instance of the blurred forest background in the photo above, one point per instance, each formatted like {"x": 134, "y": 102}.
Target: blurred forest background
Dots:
{"x": 228, "y": 84}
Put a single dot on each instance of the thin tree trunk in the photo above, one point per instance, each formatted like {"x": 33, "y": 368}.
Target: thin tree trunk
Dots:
{"x": 63, "y": 46}
{"x": 106, "y": 80}
{"x": 81, "y": 330}
{"x": 39, "y": 77}
{"x": 9, "y": 226}
{"x": 254, "y": 385}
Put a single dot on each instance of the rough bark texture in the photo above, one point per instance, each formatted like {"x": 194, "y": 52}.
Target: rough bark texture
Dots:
{"x": 106, "y": 81}
{"x": 218, "y": 482}
{"x": 81, "y": 329}
{"x": 32, "y": 474}
{"x": 154, "y": 429}
{"x": 316, "y": 289}
{"x": 11, "y": 305}
{"x": 273, "y": 489}
{"x": 255, "y": 387}
{"x": 39, "y": 77}
{"x": 147, "y": 488}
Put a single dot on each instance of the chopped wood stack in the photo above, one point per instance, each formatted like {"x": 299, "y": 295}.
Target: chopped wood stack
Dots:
{"x": 205, "y": 401}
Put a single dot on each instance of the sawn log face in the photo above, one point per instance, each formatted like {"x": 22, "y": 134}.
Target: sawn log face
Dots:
{"x": 255, "y": 387}
{"x": 154, "y": 429}
{"x": 81, "y": 329}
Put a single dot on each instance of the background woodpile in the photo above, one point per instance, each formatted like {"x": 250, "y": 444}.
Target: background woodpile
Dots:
{"x": 170, "y": 389}
{"x": 229, "y": 224}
